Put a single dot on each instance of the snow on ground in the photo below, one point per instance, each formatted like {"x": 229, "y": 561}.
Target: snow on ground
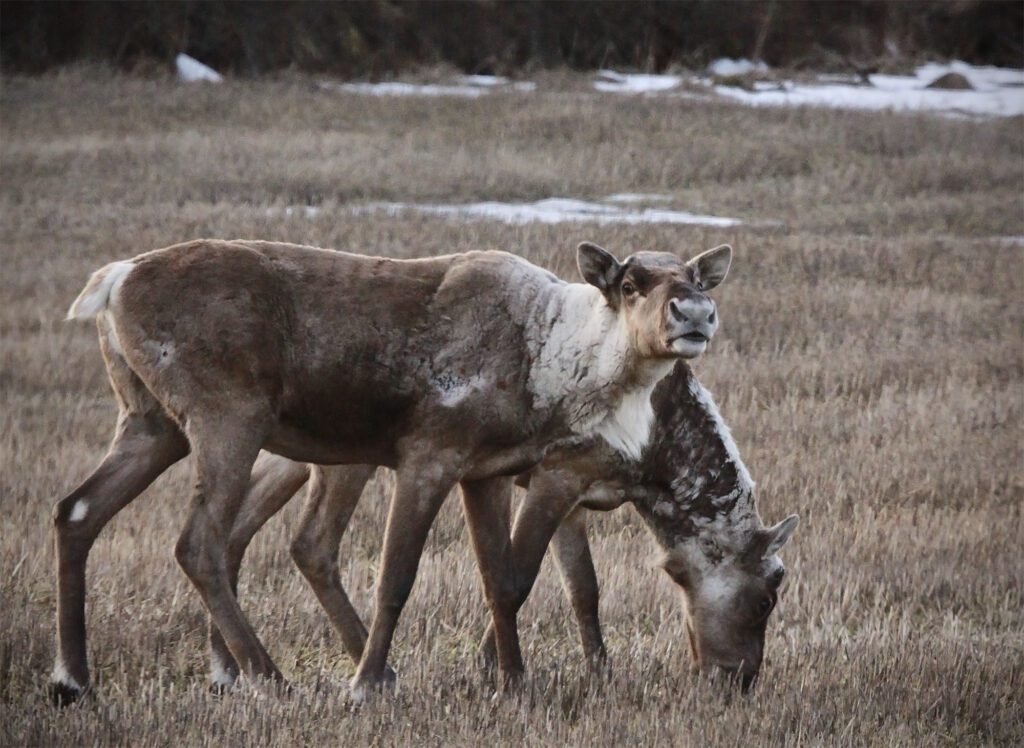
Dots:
{"x": 407, "y": 89}
{"x": 191, "y": 70}
{"x": 466, "y": 86}
{"x": 554, "y": 210}
{"x": 609, "y": 81}
{"x": 998, "y": 92}
{"x": 637, "y": 197}
{"x": 485, "y": 80}
{"x": 725, "y": 67}
{"x": 497, "y": 82}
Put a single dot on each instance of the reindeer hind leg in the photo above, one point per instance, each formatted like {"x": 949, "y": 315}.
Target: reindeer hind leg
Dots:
{"x": 225, "y": 446}
{"x": 147, "y": 441}
{"x": 273, "y": 482}
{"x": 332, "y": 498}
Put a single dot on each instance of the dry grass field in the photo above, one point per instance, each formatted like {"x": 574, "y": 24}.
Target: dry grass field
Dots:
{"x": 870, "y": 363}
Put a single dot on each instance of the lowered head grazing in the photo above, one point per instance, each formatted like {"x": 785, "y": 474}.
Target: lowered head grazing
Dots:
{"x": 663, "y": 299}
{"x": 705, "y": 518}
{"x": 730, "y": 583}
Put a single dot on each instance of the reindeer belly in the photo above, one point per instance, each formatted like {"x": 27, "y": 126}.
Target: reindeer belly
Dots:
{"x": 350, "y": 419}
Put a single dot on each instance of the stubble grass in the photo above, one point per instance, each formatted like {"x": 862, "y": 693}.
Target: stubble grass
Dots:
{"x": 870, "y": 365}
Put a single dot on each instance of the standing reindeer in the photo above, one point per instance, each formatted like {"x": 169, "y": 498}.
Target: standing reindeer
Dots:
{"x": 454, "y": 369}
{"x": 690, "y": 487}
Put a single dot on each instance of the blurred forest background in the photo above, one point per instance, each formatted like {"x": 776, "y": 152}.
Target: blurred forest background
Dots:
{"x": 376, "y": 38}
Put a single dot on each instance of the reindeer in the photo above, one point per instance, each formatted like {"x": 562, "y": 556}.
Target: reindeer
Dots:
{"x": 690, "y": 487}
{"x": 454, "y": 369}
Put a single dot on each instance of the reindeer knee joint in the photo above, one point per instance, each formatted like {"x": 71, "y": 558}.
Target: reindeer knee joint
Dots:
{"x": 506, "y": 596}
{"x": 187, "y": 555}
{"x": 71, "y": 513}
{"x": 313, "y": 563}
{"x": 302, "y": 554}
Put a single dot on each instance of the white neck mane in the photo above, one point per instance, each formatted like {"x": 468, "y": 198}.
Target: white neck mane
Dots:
{"x": 586, "y": 364}
{"x": 703, "y": 397}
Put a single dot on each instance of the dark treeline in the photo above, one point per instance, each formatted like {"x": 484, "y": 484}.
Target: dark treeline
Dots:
{"x": 378, "y": 37}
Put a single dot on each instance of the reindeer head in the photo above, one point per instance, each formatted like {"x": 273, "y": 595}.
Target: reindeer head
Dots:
{"x": 730, "y": 587}
{"x": 662, "y": 299}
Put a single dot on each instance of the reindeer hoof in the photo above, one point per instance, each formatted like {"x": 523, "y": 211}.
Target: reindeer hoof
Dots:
{"x": 63, "y": 694}
{"x": 364, "y": 688}
{"x": 219, "y": 688}
{"x": 512, "y": 680}
{"x": 598, "y": 663}
{"x": 487, "y": 655}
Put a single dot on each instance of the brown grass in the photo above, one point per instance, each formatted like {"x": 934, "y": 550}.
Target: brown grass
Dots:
{"x": 870, "y": 364}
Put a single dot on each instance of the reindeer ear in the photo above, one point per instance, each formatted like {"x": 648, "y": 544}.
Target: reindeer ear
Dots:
{"x": 778, "y": 535}
{"x": 713, "y": 265}
{"x": 597, "y": 266}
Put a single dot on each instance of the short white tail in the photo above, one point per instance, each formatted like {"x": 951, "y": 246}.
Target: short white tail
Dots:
{"x": 97, "y": 292}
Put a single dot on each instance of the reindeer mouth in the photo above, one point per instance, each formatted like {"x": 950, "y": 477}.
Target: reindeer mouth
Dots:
{"x": 689, "y": 344}
{"x": 694, "y": 337}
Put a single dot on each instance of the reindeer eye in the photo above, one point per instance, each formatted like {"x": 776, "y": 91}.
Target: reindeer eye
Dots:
{"x": 764, "y": 607}
{"x": 628, "y": 288}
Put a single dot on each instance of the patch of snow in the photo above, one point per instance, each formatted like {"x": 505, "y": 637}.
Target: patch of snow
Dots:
{"x": 847, "y": 78}
{"x": 467, "y": 86}
{"x": 191, "y": 70}
{"x": 725, "y": 67}
{"x": 638, "y": 197}
{"x": 407, "y": 89}
{"x": 307, "y": 211}
{"x": 553, "y": 210}
{"x": 998, "y": 92}
{"x": 982, "y": 77}
{"x": 484, "y": 80}
{"x": 610, "y": 81}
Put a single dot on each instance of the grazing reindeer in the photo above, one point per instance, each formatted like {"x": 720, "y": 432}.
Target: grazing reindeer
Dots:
{"x": 696, "y": 497}
{"x": 690, "y": 487}
{"x": 454, "y": 369}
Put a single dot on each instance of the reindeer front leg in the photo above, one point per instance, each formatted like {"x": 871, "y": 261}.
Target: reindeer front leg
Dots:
{"x": 571, "y": 549}
{"x": 552, "y": 495}
{"x": 422, "y": 481}
{"x": 487, "y": 505}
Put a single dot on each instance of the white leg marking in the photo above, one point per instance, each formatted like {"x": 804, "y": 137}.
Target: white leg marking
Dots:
{"x": 219, "y": 675}
{"x": 79, "y": 510}
{"x": 60, "y": 675}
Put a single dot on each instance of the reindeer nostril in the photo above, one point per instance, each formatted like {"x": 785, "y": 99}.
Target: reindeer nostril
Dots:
{"x": 677, "y": 312}
{"x": 711, "y": 317}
